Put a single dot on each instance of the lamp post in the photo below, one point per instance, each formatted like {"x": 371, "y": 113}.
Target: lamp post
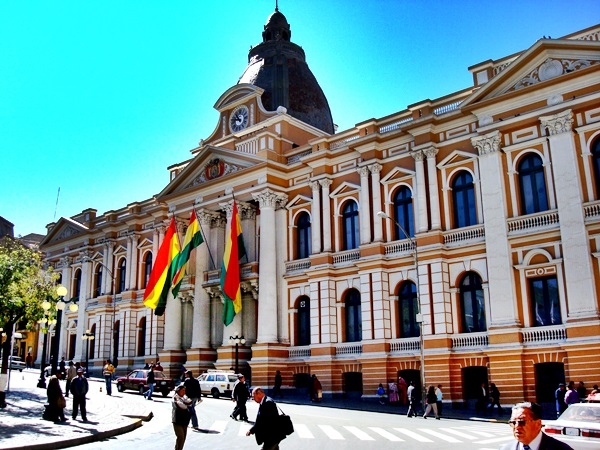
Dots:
{"x": 237, "y": 339}
{"x": 60, "y": 306}
{"x": 87, "y": 337}
{"x": 418, "y": 315}
{"x": 111, "y": 354}
{"x": 44, "y": 323}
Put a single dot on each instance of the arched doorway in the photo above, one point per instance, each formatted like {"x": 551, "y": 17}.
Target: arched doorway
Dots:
{"x": 352, "y": 384}
{"x": 411, "y": 375}
{"x": 472, "y": 378}
{"x": 547, "y": 377}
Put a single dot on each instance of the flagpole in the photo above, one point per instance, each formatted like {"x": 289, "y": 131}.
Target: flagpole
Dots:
{"x": 212, "y": 260}
{"x": 233, "y": 197}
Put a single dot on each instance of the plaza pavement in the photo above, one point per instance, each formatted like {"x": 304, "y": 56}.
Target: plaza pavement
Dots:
{"x": 22, "y": 426}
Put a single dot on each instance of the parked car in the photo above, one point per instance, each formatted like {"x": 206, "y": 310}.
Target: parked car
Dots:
{"x": 217, "y": 383}
{"x": 137, "y": 380}
{"x": 578, "y": 426}
{"x": 16, "y": 363}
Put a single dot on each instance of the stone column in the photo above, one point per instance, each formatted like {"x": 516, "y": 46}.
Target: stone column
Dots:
{"x": 132, "y": 262}
{"x": 376, "y": 193}
{"x": 267, "y": 278}
{"x": 326, "y": 204}
{"x": 434, "y": 196}
{"x": 420, "y": 208}
{"x": 283, "y": 306}
{"x": 365, "y": 211}
{"x": 107, "y": 261}
{"x": 66, "y": 281}
{"x": 316, "y": 217}
{"x": 579, "y": 271}
{"x": 503, "y": 311}
{"x": 84, "y": 296}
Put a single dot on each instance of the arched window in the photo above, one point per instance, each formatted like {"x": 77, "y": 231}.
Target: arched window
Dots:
{"x": 303, "y": 236}
{"x": 407, "y": 309}
{"x": 122, "y": 275}
{"x": 596, "y": 162}
{"x": 544, "y": 300}
{"x": 77, "y": 284}
{"x": 472, "y": 304}
{"x": 303, "y": 320}
{"x": 403, "y": 213}
{"x": 98, "y": 281}
{"x": 463, "y": 197}
{"x": 350, "y": 226}
{"x": 141, "y": 341}
{"x": 534, "y": 197}
{"x": 92, "y": 343}
{"x": 147, "y": 267}
{"x": 353, "y": 316}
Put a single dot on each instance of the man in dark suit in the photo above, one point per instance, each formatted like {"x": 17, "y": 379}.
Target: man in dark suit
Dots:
{"x": 526, "y": 423}
{"x": 266, "y": 427}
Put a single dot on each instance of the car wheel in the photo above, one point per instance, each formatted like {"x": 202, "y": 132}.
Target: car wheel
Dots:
{"x": 141, "y": 389}
{"x": 215, "y": 393}
{"x": 120, "y": 387}
{"x": 165, "y": 393}
{"x": 20, "y": 370}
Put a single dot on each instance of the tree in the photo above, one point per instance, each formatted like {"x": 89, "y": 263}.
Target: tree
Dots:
{"x": 24, "y": 285}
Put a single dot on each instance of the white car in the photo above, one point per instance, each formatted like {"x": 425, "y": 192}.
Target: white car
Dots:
{"x": 16, "y": 363}
{"x": 578, "y": 426}
{"x": 217, "y": 383}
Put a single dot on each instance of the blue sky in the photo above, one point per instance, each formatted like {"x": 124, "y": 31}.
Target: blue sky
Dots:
{"x": 100, "y": 97}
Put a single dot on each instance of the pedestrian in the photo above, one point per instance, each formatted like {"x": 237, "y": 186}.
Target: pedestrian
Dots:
{"x": 192, "y": 390}
{"x": 266, "y": 429}
{"x": 277, "y": 385}
{"x": 56, "y": 401}
{"x": 107, "y": 372}
{"x": 151, "y": 380}
{"x": 381, "y": 394}
{"x": 393, "y": 392}
{"x": 316, "y": 389}
{"x": 411, "y": 393}
{"x": 526, "y": 423}
{"x": 158, "y": 367}
{"x": 180, "y": 416}
{"x": 559, "y": 397}
{"x": 440, "y": 397}
{"x": 571, "y": 397}
{"x": 431, "y": 401}
{"x": 240, "y": 396}
{"x": 62, "y": 368}
{"x": 482, "y": 400}
{"x": 71, "y": 373}
{"x": 79, "y": 388}
{"x": 402, "y": 391}
{"x": 495, "y": 398}
{"x": 29, "y": 361}
{"x": 581, "y": 391}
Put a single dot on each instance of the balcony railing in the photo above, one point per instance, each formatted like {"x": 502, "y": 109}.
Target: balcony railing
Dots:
{"x": 461, "y": 235}
{"x": 352, "y": 348}
{"x": 342, "y": 143}
{"x": 296, "y": 266}
{"x": 405, "y": 345}
{"x": 399, "y": 247}
{"x": 592, "y": 210}
{"x": 299, "y": 352}
{"x": 395, "y": 125}
{"x": 470, "y": 340}
{"x": 249, "y": 146}
{"x": 346, "y": 256}
{"x": 296, "y": 158}
{"x": 447, "y": 108}
{"x": 544, "y": 335}
{"x": 543, "y": 220}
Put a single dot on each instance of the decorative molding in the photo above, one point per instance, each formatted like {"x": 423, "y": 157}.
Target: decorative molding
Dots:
{"x": 488, "y": 143}
{"x": 375, "y": 168}
{"x": 552, "y": 68}
{"x": 325, "y": 183}
{"x": 67, "y": 233}
{"x": 269, "y": 198}
{"x": 214, "y": 168}
{"x": 418, "y": 155}
{"x": 363, "y": 171}
{"x": 558, "y": 123}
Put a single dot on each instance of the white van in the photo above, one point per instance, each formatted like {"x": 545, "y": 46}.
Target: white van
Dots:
{"x": 217, "y": 382}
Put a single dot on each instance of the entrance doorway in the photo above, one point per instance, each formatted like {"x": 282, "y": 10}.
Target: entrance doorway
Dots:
{"x": 411, "y": 375}
{"x": 352, "y": 385}
{"x": 547, "y": 377}
{"x": 472, "y": 378}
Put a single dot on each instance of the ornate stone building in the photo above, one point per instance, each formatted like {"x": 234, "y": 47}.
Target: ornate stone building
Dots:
{"x": 497, "y": 186}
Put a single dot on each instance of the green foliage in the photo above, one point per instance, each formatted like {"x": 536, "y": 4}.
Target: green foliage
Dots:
{"x": 24, "y": 283}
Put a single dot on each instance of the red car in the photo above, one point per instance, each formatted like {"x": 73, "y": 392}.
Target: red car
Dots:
{"x": 137, "y": 381}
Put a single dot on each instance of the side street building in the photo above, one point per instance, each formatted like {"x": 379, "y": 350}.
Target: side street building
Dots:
{"x": 497, "y": 186}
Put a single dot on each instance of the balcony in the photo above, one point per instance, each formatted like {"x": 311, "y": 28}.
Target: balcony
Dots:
{"x": 403, "y": 247}
{"x": 470, "y": 341}
{"x": 544, "y": 335}
{"x": 346, "y": 256}
{"x": 297, "y": 266}
{"x": 465, "y": 235}
{"x": 350, "y": 348}
{"x": 533, "y": 222}
{"x": 299, "y": 352}
{"x": 405, "y": 345}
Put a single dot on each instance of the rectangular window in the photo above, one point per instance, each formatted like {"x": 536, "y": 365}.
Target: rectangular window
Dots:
{"x": 545, "y": 302}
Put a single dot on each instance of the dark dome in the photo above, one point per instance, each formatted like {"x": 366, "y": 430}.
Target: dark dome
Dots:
{"x": 279, "y": 67}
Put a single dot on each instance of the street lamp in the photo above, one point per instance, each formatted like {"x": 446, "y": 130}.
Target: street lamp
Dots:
{"x": 60, "y": 306}
{"x": 44, "y": 322}
{"x": 111, "y": 356}
{"x": 87, "y": 337}
{"x": 237, "y": 339}
{"x": 418, "y": 315}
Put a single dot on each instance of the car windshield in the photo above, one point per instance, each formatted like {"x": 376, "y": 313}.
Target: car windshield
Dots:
{"x": 581, "y": 413}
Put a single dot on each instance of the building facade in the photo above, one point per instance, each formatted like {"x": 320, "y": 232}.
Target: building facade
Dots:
{"x": 454, "y": 242}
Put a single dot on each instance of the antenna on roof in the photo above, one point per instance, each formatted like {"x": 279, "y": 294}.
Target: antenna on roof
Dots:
{"x": 276, "y": 5}
{"x": 56, "y": 206}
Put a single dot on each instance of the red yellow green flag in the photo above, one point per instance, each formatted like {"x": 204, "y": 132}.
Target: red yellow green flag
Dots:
{"x": 161, "y": 277}
{"x": 193, "y": 238}
{"x": 230, "y": 268}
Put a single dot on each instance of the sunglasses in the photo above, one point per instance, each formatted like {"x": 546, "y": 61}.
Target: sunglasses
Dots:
{"x": 519, "y": 423}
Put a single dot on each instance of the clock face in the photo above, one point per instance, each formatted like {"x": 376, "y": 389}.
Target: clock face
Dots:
{"x": 238, "y": 119}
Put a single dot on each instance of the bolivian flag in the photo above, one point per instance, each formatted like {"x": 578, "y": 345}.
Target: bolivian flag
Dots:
{"x": 163, "y": 272}
{"x": 230, "y": 268}
{"x": 193, "y": 238}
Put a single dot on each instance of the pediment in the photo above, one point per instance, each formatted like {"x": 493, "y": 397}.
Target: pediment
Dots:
{"x": 119, "y": 250}
{"x": 457, "y": 157}
{"x": 65, "y": 228}
{"x": 209, "y": 165}
{"x": 144, "y": 243}
{"x": 397, "y": 174}
{"x": 237, "y": 94}
{"x": 546, "y": 61}
{"x": 344, "y": 189}
{"x": 299, "y": 200}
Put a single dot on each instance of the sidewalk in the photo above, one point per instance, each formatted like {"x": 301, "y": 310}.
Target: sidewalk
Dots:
{"x": 22, "y": 426}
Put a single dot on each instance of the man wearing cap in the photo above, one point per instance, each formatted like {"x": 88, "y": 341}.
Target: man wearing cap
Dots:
{"x": 192, "y": 390}
{"x": 559, "y": 396}
{"x": 240, "y": 396}
{"x": 79, "y": 388}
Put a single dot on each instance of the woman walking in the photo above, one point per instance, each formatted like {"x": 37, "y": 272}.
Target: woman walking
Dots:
{"x": 431, "y": 401}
